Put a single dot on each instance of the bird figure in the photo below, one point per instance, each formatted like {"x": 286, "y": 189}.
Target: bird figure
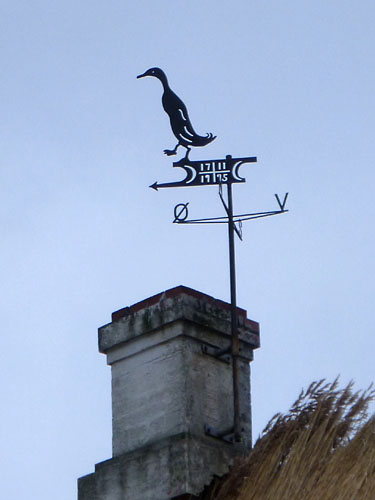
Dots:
{"x": 178, "y": 116}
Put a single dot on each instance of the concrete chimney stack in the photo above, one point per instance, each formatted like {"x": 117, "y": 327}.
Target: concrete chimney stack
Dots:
{"x": 172, "y": 398}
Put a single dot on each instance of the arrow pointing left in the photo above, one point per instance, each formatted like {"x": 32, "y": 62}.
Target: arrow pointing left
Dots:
{"x": 157, "y": 186}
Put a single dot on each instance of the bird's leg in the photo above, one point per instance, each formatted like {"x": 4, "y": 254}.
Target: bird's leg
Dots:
{"x": 171, "y": 152}
{"x": 187, "y": 152}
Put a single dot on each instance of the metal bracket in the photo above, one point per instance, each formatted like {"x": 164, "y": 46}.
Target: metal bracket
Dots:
{"x": 237, "y": 229}
{"x": 223, "y": 355}
{"x": 227, "y": 435}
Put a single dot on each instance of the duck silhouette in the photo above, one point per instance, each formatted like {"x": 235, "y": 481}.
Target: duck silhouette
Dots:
{"x": 178, "y": 116}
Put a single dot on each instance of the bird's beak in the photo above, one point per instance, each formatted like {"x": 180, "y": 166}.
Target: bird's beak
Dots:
{"x": 141, "y": 76}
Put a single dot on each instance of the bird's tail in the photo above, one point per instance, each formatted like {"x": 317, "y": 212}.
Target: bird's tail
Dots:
{"x": 203, "y": 140}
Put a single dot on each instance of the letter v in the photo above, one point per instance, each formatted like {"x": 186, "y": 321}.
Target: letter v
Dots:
{"x": 282, "y": 205}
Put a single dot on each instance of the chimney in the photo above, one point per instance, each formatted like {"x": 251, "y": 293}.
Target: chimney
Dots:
{"x": 172, "y": 398}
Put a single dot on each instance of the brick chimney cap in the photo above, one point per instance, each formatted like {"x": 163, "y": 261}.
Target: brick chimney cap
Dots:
{"x": 173, "y": 292}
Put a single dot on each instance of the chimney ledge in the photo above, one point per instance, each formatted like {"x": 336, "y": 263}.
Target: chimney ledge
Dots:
{"x": 182, "y": 306}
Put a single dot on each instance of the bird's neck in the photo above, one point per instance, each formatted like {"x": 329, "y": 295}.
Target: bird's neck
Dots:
{"x": 164, "y": 82}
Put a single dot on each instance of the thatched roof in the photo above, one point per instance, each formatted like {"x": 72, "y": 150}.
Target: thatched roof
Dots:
{"x": 322, "y": 449}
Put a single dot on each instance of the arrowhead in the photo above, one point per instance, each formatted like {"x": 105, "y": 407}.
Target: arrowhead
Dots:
{"x": 154, "y": 186}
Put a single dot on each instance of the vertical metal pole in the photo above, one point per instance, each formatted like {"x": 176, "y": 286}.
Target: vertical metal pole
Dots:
{"x": 234, "y": 323}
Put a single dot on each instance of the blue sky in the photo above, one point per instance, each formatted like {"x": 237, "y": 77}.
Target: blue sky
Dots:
{"x": 82, "y": 234}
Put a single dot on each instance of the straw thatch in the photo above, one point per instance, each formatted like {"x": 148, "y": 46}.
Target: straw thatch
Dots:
{"x": 323, "y": 449}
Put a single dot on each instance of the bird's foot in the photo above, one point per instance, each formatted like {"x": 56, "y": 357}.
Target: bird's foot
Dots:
{"x": 170, "y": 152}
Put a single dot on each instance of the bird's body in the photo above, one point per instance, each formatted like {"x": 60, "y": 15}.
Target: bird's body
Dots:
{"x": 178, "y": 116}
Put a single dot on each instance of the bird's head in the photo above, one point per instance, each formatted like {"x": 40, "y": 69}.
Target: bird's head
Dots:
{"x": 156, "y": 72}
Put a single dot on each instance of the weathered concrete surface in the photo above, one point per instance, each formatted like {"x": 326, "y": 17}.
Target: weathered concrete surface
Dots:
{"x": 165, "y": 390}
{"x": 163, "y": 470}
{"x": 178, "y": 303}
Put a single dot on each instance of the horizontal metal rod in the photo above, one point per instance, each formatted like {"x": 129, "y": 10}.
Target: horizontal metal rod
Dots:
{"x": 224, "y": 220}
{"x": 263, "y": 215}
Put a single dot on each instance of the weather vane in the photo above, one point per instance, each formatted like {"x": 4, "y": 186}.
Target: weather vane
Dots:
{"x": 178, "y": 116}
{"x": 207, "y": 173}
